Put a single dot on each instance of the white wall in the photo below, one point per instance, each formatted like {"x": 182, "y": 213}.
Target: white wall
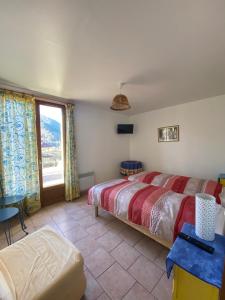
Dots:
{"x": 201, "y": 149}
{"x": 99, "y": 147}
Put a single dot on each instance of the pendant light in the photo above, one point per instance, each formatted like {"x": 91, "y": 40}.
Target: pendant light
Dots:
{"x": 120, "y": 101}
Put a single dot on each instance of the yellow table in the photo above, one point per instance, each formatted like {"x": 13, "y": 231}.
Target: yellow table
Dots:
{"x": 189, "y": 287}
{"x": 197, "y": 274}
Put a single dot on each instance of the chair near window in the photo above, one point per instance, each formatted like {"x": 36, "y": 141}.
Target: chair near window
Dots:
{"x": 8, "y": 213}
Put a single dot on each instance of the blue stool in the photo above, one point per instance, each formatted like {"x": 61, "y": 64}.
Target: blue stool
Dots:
{"x": 130, "y": 167}
{"x": 18, "y": 201}
{"x": 6, "y": 214}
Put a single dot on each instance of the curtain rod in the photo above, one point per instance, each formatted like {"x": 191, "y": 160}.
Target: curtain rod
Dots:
{"x": 30, "y": 93}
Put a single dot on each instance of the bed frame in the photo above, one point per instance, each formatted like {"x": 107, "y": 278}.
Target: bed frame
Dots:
{"x": 141, "y": 229}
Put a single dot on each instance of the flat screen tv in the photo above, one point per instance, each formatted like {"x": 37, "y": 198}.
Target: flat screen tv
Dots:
{"x": 125, "y": 128}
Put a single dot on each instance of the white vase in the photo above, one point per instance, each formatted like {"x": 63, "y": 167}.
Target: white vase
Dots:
{"x": 205, "y": 216}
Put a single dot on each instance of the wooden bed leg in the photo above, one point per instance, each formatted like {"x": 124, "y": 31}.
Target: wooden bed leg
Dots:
{"x": 96, "y": 211}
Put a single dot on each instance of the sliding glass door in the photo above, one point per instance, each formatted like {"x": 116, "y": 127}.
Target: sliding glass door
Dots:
{"x": 51, "y": 150}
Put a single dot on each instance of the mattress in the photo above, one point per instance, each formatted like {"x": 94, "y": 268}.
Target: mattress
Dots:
{"x": 181, "y": 184}
{"x": 42, "y": 266}
{"x": 161, "y": 211}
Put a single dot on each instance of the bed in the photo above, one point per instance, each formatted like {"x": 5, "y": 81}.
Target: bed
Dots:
{"x": 43, "y": 265}
{"x": 181, "y": 184}
{"x": 156, "y": 211}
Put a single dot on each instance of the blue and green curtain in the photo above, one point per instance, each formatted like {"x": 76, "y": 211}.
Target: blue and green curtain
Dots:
{"x": 72, "y": 190}
{"x": 18, "y": 148}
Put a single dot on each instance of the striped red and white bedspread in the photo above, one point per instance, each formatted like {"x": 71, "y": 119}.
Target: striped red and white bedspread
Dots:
{"x": 160, "y": 210}
{"x": 180, "y": 184}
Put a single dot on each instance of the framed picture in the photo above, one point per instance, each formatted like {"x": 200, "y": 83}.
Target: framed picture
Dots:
{"x": 168, "y": 134}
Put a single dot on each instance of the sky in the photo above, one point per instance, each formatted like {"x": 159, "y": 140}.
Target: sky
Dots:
{"x": 54, "y": 113}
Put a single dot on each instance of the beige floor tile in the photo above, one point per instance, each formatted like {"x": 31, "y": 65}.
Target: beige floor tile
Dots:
{"x": 131, "y": 236}
{"x": 56, "y": 212}
{"x": 52, "y": 225}
{"x": 103, "y": 297}
{"x": 105, "y": 217}
{"x": 16, "y": 228}
{"x": 99, "y": 261}
{"x": 31, "y": 229}
{"x": 2, "y": 235}
{"x": 137, "y": 292}
{"x": 76, "y": 234}
{"x": 116, "y": 226}
{"x": 149, "y": 248}
{"x": 107, "y": 214}
{"x": 93, "y": 289}
{"x": 18, "y": 236}
{"x": 87, "y": 246}
{"x": 90, "y": 209}
{"x": 79, "y": 215}
{"x": 59, "y": 217}
{"x": 97, "y": 230}
{"x": 163, "y": 290}
{"x": 145, "y": 272}
{"x": 161, "y": 259}
{"x": 87, "y": 221}
{"x": 28, "y": 222}
{"x": 70, "y": 204}
{"x": 41, "y": 213}
{"x": 41, "y": 220}
{"x": 125, "y": 255}
{"x": 56, "y": 228}
{"x": 72, "y": 210}
{"x": 67, "y": 225}
{"x": 3, "y": 243}
{"x": 109, "y": 241}
{"x": 116, "y": 281}
{"x": 82, "y": 201}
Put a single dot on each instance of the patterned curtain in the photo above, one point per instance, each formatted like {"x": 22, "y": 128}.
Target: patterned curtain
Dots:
{"x": 71, "y": 177}
{"x": 18, "y": 148}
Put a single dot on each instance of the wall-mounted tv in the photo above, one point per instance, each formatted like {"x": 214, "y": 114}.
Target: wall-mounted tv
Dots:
{"x": 125, "y": 128}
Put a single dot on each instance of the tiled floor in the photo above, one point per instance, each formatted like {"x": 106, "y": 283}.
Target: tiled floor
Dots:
{"x": 120, "y": 263}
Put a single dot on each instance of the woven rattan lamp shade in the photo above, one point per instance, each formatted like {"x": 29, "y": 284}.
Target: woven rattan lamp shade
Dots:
{"x": 120, "y": 102}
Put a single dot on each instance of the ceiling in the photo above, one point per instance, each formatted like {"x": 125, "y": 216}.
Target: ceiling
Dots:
{"x": 167, "y": 52}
